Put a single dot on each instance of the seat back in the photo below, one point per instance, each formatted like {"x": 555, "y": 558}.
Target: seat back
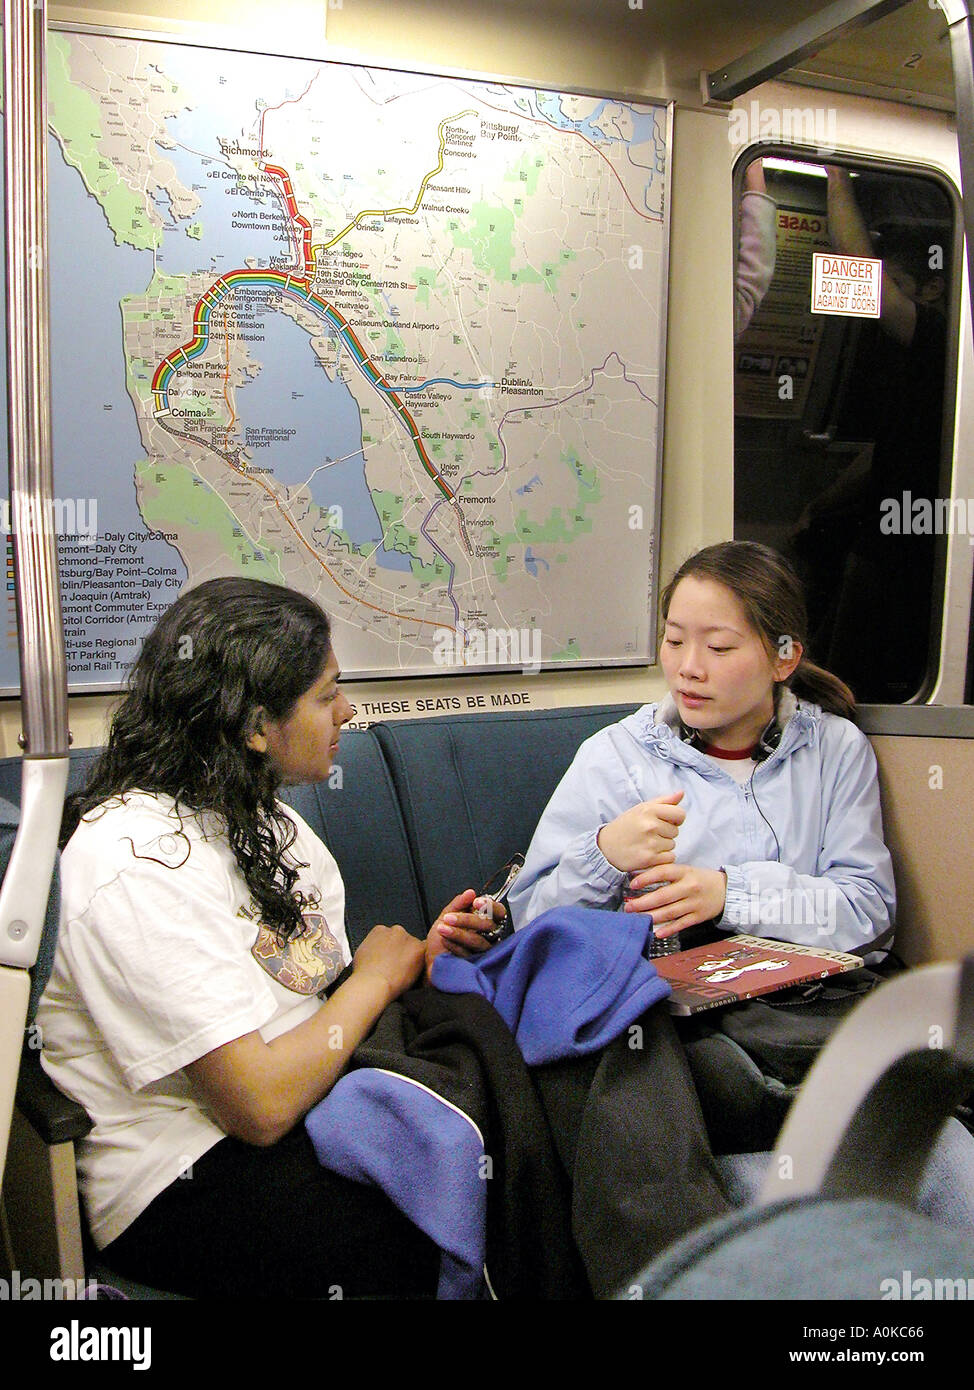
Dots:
{"x": 473, "y": 787}
{"x": 357, "y": 815}
{"x": 934, "y": 877}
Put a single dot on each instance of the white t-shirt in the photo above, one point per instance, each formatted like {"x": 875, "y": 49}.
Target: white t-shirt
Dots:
{"x": 161, "y": 958}
{"x": 738, "y": 768}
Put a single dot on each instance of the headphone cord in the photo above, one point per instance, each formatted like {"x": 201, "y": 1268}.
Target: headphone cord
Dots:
{"x": 768, "y": 743}
{"x": 757, "y": 806}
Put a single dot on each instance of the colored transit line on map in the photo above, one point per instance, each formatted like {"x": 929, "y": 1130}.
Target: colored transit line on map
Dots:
{"x": 286, "y": 282}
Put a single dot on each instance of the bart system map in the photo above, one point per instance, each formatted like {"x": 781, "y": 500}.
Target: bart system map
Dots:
{"x": 390, "y": 338}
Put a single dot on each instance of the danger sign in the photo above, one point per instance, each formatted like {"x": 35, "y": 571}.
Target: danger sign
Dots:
{"x": 846, "y": 285}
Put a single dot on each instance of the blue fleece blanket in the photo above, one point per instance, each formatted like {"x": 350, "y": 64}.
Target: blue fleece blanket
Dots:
{"x": 565, "y": 985}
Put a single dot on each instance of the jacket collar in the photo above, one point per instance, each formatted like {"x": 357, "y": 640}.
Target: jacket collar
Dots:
{"x": 797, "y": 719}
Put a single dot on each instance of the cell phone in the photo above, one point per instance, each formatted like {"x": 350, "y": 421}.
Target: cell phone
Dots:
{"x": 495, "y": 890}
{"x": 501, "y": 882}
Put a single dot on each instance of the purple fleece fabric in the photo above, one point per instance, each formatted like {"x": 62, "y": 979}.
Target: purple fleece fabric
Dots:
{"x": 422, "y": 1152}
{"x": 566, "y": 984}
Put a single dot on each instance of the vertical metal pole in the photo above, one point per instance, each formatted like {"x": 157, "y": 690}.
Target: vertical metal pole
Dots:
{"x": 40, "y": 634}
{"x": 43, "y": 675}
{"x": 962, "y": 60}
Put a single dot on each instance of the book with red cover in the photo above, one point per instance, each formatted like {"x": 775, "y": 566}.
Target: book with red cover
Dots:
{"x": 742, "y": 967}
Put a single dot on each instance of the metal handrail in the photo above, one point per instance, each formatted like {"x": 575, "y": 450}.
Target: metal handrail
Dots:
{"x": 44, "y": 703}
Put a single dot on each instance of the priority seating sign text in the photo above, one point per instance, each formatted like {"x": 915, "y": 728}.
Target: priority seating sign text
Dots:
{"x": 846, "y": 285}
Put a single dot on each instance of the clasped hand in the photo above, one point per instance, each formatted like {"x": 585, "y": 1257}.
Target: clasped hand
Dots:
{"x": 690, "y": 895}
{"x": 642, "y": 843}
{"x": 645, "y": 835}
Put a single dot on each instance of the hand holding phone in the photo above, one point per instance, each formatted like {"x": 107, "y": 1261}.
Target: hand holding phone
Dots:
{"x": 494, "y": 894}
{"x": 484, "y": 907}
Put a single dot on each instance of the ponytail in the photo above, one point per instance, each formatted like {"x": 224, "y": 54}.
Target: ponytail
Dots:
{"x": 811, "y": 682}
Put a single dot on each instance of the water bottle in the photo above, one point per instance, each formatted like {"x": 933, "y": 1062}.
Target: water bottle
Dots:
{"x": 656, "y": 945}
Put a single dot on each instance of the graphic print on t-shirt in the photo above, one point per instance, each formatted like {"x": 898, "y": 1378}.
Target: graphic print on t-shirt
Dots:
{"x": 306, "y": 963}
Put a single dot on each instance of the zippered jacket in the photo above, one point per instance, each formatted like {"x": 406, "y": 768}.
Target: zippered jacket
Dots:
{"x": 801, "y": 841}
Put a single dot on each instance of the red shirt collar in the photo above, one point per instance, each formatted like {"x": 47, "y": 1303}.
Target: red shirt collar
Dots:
{"x": 730, "y": 753}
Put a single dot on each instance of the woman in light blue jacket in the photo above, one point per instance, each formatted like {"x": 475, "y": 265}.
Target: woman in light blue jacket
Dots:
{"x": 745, "y": 798}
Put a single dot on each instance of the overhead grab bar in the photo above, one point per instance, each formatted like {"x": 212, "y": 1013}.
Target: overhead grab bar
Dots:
{"x": 800, "y": 41}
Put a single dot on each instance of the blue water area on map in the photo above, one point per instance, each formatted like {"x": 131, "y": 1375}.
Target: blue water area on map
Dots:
{"x": 643, "y": 123}
{"x": 292, "y": 392}
{"x": 647, "y": 148}
{"x": 96, "y": 439}
{"x": 550, "y": 106}
{"x": 646, "y": 129}
{"x": 529, "y": 486}
{"x": 222, "y": 246}
{"x": 531, "y": 563}
{"x": 163, "y": 203}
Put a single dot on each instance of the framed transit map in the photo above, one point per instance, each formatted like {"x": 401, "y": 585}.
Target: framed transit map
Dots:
{"x": 394, "y": 339}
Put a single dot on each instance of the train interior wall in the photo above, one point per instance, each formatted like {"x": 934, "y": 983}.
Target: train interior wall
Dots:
{"x": 529, "y": 42}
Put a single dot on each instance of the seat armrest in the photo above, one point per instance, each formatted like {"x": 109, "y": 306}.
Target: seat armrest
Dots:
{"x": 55, "y": 1117}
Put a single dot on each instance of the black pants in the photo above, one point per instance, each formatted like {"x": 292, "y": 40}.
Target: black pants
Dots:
{"x": 631, "y": 1136}
{"x": 272, "y": 1223}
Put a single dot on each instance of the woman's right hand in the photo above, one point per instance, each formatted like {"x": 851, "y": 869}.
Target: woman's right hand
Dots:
{"x": 392, "y": 954}
{"x": 645, "y": 835}
{"x": 258, "y": 1090}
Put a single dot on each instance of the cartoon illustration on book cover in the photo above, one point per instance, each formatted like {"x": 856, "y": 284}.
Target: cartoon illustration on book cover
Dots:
{"x": 721, "y": 970}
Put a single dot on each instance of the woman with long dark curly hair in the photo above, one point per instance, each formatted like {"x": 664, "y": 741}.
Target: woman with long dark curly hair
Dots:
{"x": 202, "y": 925}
